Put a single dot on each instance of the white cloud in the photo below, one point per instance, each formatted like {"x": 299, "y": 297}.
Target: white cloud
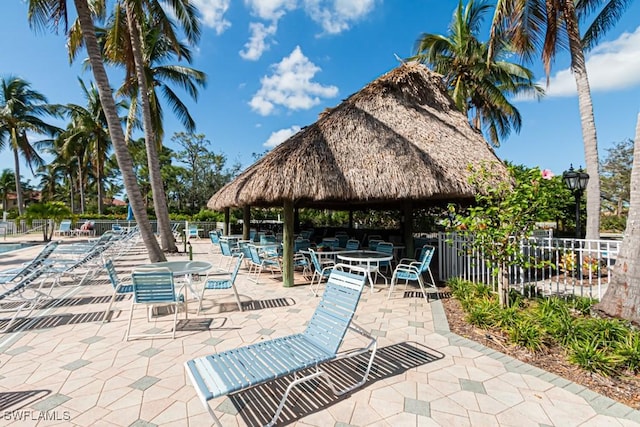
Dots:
{"x": 212, "y": 12}
{"x": 270, "y": 10}
{"x": 611, "y": 66}
{"x": 338, "y": 15}
{"x": 281, "y": 135}
{"x": 291, "y": 86}
{"x": 257, "y": 44}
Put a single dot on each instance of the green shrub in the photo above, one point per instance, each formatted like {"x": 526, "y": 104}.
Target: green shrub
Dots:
{"x": 606, "y": 333}
{"x": 590, "y": 356}
{"x": 483, "y": 313}
{"x": 629, "y": 350}
{"x": 527, "y": 333}
{"x": 507, "y": 317}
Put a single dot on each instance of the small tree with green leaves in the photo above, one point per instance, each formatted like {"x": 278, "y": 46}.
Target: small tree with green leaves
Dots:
{"x": 503, "y": 216}
{"x": 55, "y": 211}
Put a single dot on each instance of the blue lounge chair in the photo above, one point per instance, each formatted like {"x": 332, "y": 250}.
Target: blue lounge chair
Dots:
{"x": 64, "y": 229}
{"x": 409, "y": 269}
{"x": 14, "y": 274}
{"x": 22, "y": 297}
{"x": 231, "y": 371}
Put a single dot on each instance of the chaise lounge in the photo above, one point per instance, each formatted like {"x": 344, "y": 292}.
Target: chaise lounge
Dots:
{"x": 235, "y": 370}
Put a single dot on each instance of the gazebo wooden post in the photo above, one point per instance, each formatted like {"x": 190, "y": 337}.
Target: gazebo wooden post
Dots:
{"x": 227, "y": 220}
{"x": 407, "y": 213}
{"x": 350, "y": 219}
{"x": 287, "y": 245}
{"x": 246, "y": 222}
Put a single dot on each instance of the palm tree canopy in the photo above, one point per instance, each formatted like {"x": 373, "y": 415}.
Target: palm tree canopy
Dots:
{"x": 480, "y": 87}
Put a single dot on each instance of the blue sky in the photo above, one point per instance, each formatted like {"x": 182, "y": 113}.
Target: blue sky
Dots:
{"x": 274, "y": 65}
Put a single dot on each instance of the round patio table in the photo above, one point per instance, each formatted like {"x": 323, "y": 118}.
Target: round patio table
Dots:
{"x": 184, "y": 268}
{"x": 370, "y": 260}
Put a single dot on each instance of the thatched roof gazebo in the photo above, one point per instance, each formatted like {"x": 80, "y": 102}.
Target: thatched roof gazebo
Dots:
{"x": 398, "y": 143}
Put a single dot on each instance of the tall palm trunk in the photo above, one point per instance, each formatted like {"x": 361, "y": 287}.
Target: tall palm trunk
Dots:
{"x": 99, "y": 179}
{"x": 115, "y": 130}
{"x": 16, "y": 160}
{"x": 622, "y": 298}
{"x": 153, "y": 159}
{"x": 81, "y": 186}
{"x": 589, "y": 137}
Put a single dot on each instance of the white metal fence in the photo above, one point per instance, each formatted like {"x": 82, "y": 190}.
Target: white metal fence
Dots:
{"x": 571, "y": 266}
{"x": 20, "y": 227}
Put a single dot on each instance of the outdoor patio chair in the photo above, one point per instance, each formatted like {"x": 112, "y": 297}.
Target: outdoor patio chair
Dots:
{"x": 385, "y": 248}
{"x": 86, "y": 229}
{"x": 231, "y": 371}
{"x": 409, "y": 269}
{"x": 343, "y": 238}
{"x": 217, "y": 282}
{"x": 321, "y": 270}
{"x": 352, "y": 245}
{"x": 259, "y": 262}
{"x": 215, "y": 241}
{"x": 119, "y": 287}
{"x": 228, "y": 252}
{"x": 154, "y": 287}
{"x": 331, "y": 242}
{"x": 301, "y": 245}
{"x": 15, "y": 274}
{"x": 22, "y": 298}
{"x": 194, "y": 232}
{"x": 64, "y": 229}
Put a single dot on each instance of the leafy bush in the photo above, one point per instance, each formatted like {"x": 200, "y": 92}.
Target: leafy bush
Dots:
{"x": 483, "y": 313}
{"x": 629, "y": 350}
{"x": 590, "y": 356}
{"x": 527, "y": 333}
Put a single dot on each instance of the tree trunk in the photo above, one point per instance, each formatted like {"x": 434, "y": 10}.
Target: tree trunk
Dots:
{"x": 587, "y": 120}
{"x": 115, "y": 131}
{"x": 81, "y": 186}
{"x": 153, "y": 159}
{"x": 622, "y": 298}
{"x": 99, "y": 179}
{"x": 16, "y": 160}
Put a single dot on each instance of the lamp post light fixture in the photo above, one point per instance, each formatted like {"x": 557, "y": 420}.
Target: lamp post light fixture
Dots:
{"x": 576, "y": 181}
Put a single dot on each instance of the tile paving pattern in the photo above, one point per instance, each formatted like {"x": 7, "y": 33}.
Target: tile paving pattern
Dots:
{"x": 75, "y": 370}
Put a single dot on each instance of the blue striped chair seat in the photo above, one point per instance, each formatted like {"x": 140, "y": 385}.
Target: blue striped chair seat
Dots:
{"x": 234, "y": 370}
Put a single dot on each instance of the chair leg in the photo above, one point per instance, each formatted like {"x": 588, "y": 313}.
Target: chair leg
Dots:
{"x": 130, "y": 320}
{"x": 106, "y": 313}
{"x": 394, "y": 280}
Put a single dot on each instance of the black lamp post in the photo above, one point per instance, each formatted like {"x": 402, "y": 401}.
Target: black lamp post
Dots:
{"x": 576, "y": 181}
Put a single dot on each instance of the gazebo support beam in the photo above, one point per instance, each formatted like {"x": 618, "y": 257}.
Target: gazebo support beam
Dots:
{"x": 287, "y": 245}
{"x": 227, "y": 220}
{"x": 246, "y": 222}
{"x": 407, "y": 213}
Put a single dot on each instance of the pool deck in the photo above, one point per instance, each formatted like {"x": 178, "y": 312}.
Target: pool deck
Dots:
{"x": 65, "y": 367}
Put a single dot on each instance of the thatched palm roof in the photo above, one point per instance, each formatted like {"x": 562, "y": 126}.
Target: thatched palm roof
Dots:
{"x": 399, "y": 138}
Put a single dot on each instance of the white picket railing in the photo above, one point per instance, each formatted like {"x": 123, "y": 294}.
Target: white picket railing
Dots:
{"x": 572, "y": 266}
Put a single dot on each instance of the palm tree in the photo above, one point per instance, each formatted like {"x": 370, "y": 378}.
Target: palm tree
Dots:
{"x": 7, "y": 185}
{"x": 52, "y": 12}
{"x": 21, "y": 109}
{"x": 553, "y": 25}
{"x": 479, "y": 86}
{"x": 90, "y": 126}
{"x": 139, "y": 34}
